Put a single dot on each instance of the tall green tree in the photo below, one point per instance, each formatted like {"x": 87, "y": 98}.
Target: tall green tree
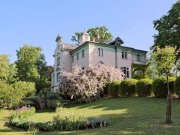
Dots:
{"x": 168, "y": 28}
{"x": 164, "y": 60}
{"x": 27, "y": 57}
{"x": 97, "y": 34}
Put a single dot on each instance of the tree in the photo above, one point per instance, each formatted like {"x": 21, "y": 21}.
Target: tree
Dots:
{"x": 27, "y": 57}
{"x": 168, "y": 27}
{"x": 8, "y": 72}
{"x": 32, "y": 67}
{"x": 164, "y": 60}
{"x": 97, "y": 34}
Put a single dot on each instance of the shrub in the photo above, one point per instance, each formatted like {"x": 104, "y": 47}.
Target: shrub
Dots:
{"x": 144, "y": 87}
{"x": 127, "y": 87}
{"x": 23, "y": 113}
{"x": 113, "y": 89}
{"x": 177, "y": 86}
{"x": 159, "y": 86}
{"x": 53, "y": 104}
{"x": 60, "y": 122}
{"x": 87, "y": 85}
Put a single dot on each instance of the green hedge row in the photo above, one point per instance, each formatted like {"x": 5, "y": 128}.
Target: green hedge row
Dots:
{"x": 144, "y": 87}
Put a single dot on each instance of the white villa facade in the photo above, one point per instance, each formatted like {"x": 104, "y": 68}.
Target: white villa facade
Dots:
{"x": 88, "y": 53}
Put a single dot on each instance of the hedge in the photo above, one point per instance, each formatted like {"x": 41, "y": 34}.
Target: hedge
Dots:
{"x": 113, "y": 89}
{"x": 160, "y": 87}
{"x": 127, "y": 87}
{"x": 177, "y": 86}
{"x": 144, "y": 87}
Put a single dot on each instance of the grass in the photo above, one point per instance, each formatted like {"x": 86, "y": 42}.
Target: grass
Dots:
{"x": 128, "y": 116}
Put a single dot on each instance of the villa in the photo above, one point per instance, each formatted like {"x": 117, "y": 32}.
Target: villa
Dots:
{"x": 88, "y": 53}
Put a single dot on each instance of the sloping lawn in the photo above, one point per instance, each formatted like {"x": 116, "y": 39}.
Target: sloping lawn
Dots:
{"x": 127, "y": 115}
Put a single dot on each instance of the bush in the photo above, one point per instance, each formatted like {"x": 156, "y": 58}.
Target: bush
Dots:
{"x": 87, "y": 85}
{"x": 113, "y": 89}
{"x": 144, "y": 87}
{"x": 53, "y": 104}
{"x": 177, "y": 86}
{"x": 23, "y": 113}
{"x": 62, "y": 122}
{"x": 159, "y": 86}
{"x": 127, "y": 87}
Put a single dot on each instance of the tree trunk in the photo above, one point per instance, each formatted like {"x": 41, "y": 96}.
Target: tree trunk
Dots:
{"x": 169, "y": 102}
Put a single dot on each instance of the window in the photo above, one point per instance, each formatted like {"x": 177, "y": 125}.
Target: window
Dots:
{"x": 58, "y": 61}
{"x": 125, "y": 70}
{"x": 73, "y": 58}
{"x": 100, "y": 52}
{"x": 138, "y": 57}
{"x": 57, "y": 77}
{"x": 124, "y": 55}
{"x": 77, "y": 56}
{"x": 82, "y": 53}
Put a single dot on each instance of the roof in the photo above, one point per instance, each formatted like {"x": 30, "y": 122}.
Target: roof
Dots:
{"x": 69, "y": 46}
{"x": 117, "y": 40}
{"x": 73, "y": 48}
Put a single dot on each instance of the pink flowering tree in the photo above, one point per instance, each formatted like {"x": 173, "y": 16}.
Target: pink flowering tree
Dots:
{"x": 86, "y": 85}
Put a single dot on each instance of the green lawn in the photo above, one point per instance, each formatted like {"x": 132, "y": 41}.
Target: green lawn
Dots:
{"x": 128, "y": 116}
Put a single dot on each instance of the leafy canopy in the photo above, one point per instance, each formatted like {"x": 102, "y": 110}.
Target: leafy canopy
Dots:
{"x": 97, "y": 34}
{"x": 164, "y": 59}
{"x": 168, "y": 27}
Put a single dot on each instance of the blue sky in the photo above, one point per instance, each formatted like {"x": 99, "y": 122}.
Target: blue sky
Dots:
{"x": 37, "y": 22}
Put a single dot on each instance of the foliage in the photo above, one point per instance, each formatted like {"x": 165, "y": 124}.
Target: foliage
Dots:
{"x": 159, "y": 86}
{"x": 139, "y": 71}
{"x": 144, "y": 87}
{"x": 164, "y": 60}
{"x": 66, "y": 122}
{"x": 7, "y": 71}
{"x": 27, "y": 57}
{"x": 97, "y": 34}
{"x": 23, "y": 113}
{"x": 113, "y": 89}
{"x": 11, "y": 95}
{"x": 177, "y": 85}
{"x": 127, "y": 87}
{"x": 8, "y": 97}
{"x": 25, "y": 88}
{"x": 53, "y": 104}
{"x": 168, "y": 27}
{"x": 32, "y": 67}
{"x": 86, "y": 85}
{"x": 4, "y": 67}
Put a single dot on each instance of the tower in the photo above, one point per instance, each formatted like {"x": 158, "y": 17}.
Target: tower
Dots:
{"x": 84, "y": 38}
